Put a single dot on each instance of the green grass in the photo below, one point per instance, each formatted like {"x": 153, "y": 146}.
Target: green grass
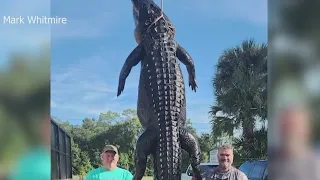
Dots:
{"x": 147, "y": 178}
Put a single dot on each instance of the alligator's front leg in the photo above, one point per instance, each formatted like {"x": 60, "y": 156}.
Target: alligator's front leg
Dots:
{"x": 133, "y": 59}
{"x": 190, "y": 144}
{"x": 186, "y": 59}
{"x": 144, "y": 147}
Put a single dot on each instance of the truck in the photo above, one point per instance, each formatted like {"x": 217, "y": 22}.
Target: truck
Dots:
{"x": 255, "y": 169}
{"x": 213, "y": 163}
{"x": 203, "y": 168}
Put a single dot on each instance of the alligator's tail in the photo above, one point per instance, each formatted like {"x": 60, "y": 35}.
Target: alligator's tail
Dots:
{"x": 168, "y": 155}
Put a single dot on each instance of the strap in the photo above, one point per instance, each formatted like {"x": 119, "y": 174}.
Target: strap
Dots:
{"x": 155, "y": 21}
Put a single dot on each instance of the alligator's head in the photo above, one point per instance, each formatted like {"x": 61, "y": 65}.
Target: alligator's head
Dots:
{"x": 148, "y": 10}
{"x": 145, "y": 12}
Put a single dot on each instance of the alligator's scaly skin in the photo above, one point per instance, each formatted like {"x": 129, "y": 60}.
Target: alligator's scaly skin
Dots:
{"x": 161, "y": 98}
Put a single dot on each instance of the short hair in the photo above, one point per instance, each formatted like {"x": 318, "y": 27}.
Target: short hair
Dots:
{"x": 226, "y": 146}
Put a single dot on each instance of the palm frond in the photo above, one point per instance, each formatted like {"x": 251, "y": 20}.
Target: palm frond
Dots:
{"x": 240, "y": 87}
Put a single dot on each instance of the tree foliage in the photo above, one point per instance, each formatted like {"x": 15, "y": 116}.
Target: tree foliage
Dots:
{"x": 240, "y": 88}
{"x": 119, "y": 129}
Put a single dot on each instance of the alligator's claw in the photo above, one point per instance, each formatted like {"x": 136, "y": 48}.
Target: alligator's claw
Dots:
{"x": 120, "y": 87}
{"x": 193, "y": 84}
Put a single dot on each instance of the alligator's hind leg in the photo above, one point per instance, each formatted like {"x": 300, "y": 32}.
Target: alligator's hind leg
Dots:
{"x": 145, "y": 144}
{"x": 190, "y": 144}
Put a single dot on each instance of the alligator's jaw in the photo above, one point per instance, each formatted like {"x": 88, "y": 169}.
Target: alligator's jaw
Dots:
{"x": 141, "y": 7}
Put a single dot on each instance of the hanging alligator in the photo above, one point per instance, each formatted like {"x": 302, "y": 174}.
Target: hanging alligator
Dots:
{"x": 161, "y": 97}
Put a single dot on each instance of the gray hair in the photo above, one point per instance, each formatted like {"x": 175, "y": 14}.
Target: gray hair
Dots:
{"x": 226, "y": 146}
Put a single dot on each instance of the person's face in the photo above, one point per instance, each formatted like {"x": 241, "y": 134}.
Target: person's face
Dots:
{"x": 109, "y": 159}
{"x": 225, "y": 157}
{"x": 296, "y": 125}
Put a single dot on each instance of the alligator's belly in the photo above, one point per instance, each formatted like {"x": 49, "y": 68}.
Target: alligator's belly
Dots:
{"x": 161, "y": 88}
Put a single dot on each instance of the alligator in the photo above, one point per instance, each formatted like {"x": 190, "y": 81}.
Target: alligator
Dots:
{"x": 161, "y": 105}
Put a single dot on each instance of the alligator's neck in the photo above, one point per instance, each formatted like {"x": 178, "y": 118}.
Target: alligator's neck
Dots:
{"x": 160, "y": 26}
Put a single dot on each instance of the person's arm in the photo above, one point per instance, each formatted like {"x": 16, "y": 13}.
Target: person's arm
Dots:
{"x": 243, "y": 176}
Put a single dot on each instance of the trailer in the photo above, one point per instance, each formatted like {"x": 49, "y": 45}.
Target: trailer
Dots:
{"x": 214, "y": 156}
{"x": 61, "y": 154}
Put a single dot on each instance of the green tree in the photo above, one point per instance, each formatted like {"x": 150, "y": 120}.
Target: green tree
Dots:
{"x": 240, "y": 87}
{"x": 206, "y": 145}
{"x": 109, "y": 117}
{"x": 81, "y": 164}
{"x": 259, "y": 147}
{"x": 119, "y": 129}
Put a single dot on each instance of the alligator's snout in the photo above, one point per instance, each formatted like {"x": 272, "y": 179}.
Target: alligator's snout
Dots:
{"x": 148, "y": 6}
{"x": 145, "y": 13}
{"x": 141, "y": 3}
{"x": 136, "y": 22}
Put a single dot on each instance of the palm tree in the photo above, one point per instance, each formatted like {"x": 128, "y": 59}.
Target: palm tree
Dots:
{"x": 259, "y": 145}
{"x": 240, "y": 87}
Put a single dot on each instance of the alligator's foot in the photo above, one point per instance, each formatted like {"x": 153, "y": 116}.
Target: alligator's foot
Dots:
{"x": 190, "y": 144}
{"x": 193, "y": 83}
{"x": 144, "y": 147}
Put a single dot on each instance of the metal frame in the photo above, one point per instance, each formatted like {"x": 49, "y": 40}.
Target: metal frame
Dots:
{"x": 61, "y": 154}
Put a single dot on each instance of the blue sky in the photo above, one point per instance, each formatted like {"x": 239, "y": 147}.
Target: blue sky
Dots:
{"x": 24, "y": 37}
{"x": 88, "y": 52}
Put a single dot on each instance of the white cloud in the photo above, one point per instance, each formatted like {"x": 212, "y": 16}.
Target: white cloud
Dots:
{"x": 79, "y": 84}
{"x": 199, "y": 116}
{"x": 91, "y": 96}
{"x": 94, "y": 109}
{"x": 90, "y": 85}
